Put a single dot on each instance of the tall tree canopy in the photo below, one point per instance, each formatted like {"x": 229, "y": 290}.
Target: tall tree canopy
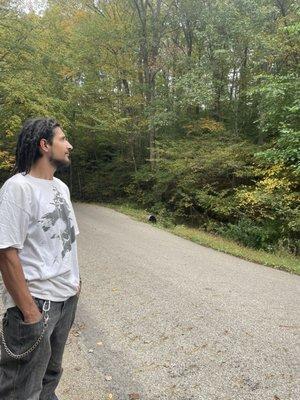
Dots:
{"x": 189, "y": 107}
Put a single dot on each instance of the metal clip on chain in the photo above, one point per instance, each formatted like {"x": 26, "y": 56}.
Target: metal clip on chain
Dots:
{"x": 46, "y": 308}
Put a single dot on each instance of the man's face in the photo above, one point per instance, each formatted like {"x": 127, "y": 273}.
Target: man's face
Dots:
{"x": 60, "y": 149}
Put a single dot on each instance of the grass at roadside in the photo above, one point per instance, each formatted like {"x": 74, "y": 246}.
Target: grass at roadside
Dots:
{"x": 282, "y": 261}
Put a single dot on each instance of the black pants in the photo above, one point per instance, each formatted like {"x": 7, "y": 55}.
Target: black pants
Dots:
{"x": 36, "y": 376}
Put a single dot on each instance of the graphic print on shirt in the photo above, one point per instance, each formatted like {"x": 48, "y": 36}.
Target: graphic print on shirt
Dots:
{"x": 62, "y": 212}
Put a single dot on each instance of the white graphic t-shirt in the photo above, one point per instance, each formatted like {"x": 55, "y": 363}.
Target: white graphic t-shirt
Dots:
{"x": 37, "y": 218}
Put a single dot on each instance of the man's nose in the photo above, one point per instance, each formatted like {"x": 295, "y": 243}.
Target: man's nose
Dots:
{"x": 70, "y": 147}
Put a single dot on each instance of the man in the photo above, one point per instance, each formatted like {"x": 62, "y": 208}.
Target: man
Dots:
{"x": 38, "y": 263}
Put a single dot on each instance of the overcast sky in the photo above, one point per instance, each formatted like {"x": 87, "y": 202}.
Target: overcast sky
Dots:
{"x": 29, "y": 5}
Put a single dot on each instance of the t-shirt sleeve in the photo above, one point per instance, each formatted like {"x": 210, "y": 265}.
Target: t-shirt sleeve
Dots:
{"x": 14, "y": 216}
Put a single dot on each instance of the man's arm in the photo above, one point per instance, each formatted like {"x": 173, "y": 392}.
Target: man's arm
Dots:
{"x": 15, "y": 283}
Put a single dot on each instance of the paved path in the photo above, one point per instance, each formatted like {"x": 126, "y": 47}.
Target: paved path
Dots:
{"x": 161, "y": 317}
{"x": 166, "y": 318}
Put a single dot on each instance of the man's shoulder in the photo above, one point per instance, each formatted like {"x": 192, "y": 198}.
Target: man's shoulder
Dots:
{"x": 15, "y": 181}
{"x": 16, "y": 190}
{"x": 61, "y": 183}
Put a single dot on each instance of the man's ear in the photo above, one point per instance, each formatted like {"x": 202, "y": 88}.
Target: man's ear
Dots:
{"x": 44, "y": 145}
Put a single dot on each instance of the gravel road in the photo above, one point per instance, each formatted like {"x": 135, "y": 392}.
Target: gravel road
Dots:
{"x": 161, "y": 317}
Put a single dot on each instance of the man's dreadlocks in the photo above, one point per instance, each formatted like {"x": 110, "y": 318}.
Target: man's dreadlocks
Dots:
{"x": 27, "y": 151}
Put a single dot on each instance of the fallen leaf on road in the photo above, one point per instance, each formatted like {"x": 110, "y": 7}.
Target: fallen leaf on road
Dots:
{"x": 99, "y": 343}
{"x": 91, "y": 351}
{"x": 134, "y": 396}
{"x": 108, "y": 378}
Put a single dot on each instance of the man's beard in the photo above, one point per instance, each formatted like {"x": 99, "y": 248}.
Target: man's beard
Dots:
{"x": 59, "y": 164}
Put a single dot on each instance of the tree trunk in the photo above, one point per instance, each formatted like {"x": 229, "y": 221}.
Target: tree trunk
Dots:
{"x": 149, "y": 13}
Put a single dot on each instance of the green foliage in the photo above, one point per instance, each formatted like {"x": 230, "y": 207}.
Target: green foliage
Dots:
{"x": 278, "y": 99}
{"x": 192, "y": 112}
{"x": 285, "y": 151}
{"x": 274, "y": 201}
{"x": 249, "y": 233}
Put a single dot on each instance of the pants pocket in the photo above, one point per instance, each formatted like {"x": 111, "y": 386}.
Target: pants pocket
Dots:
{"x": 27, "y": 333}
{"x": 11, "y": 333}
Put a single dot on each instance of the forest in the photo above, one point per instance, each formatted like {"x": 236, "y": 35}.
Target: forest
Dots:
{"x": 187, "y": 108}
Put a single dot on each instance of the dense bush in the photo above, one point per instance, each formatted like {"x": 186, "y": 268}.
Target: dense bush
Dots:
{"x": 222, "y": 191}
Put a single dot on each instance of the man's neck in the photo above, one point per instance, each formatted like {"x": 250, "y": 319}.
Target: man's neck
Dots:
{"x": 42, "y": 170}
